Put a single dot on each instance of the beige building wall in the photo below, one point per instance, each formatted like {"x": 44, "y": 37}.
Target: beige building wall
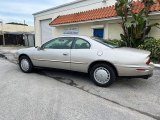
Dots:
{"x": 16, "y": 28}
{"x": 85, "y": 29}
{"x": 112, "y": 28}
{"x": 83, "y": 5}
{"x": 115, "y": 30}
{"x": 155, "y": 32}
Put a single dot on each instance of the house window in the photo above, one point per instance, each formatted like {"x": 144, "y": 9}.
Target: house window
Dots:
{"x": 98, "y": 32}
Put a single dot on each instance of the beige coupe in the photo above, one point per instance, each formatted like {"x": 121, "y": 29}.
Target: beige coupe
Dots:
{"x": 103, "y": 62}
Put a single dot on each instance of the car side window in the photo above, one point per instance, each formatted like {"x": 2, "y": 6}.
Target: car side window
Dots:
{"x": 81, "y": 44}
{"x": 59, "y": 43}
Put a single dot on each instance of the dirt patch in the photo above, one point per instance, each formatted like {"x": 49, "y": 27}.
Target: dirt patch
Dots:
{"x": 3, "y": 56}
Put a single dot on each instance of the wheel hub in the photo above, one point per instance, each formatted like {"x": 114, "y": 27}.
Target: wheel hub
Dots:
{"x": 102, "y": 75}
{"x": 25, "y": 64}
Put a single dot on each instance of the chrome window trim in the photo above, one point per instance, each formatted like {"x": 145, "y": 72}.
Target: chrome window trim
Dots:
{"x": 59, "y": 61}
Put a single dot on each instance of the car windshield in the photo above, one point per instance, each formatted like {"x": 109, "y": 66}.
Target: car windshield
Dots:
{"x": 105, "y": 42}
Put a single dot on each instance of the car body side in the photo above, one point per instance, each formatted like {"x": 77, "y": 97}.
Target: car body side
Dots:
{"x": 125, "y": 61}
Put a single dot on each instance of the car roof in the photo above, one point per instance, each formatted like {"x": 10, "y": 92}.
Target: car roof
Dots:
{"x": 80, "y": 36}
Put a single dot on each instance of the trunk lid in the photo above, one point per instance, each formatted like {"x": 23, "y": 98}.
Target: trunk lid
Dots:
{"x": 131, "y": 51}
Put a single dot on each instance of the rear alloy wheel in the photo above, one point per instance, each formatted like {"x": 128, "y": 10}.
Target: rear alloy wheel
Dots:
{"x": 102, "y": 75}
{"x": 25, "y": 64}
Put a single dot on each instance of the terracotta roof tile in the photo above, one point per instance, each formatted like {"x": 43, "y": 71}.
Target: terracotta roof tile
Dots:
{"x": 105, "y": 12}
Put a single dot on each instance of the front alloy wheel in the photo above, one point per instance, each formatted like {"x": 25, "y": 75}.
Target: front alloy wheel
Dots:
{"x": 25, "y": 64}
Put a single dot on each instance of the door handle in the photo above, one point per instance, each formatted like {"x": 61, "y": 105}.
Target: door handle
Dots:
{"x": 65, "y": 54}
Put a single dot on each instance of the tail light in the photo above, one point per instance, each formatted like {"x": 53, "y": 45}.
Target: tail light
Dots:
{"x": 148, "y": 62}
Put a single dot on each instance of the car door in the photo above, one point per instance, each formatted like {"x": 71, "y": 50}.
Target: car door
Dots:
{"x": 80, "y": 55}
{"x": 54, "y": 54}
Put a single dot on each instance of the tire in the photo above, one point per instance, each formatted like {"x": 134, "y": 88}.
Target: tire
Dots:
{"x": 25, "y": 64}
{"x": 102, "y": 75}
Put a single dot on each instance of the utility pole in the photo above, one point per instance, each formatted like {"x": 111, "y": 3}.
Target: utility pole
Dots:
{"x": 24, "y": 34}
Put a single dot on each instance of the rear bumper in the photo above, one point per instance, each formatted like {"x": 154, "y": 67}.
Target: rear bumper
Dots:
{"x": 143, "y": 77}
{"x": 135, "y": 71}
{"x": 147, "y": 76}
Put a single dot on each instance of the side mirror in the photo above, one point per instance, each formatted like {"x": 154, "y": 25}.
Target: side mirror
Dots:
{"x": 39, "y": 48}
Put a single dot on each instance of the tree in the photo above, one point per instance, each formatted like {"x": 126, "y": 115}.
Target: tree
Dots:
{"x": 14, "y": 23}
{"x": 136, "y": 28}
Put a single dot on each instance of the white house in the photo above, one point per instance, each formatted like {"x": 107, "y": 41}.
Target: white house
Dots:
{"x": 84, "y": 17}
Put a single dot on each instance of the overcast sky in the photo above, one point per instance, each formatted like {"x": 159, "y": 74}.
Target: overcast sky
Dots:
{"x": 20, "y": 10}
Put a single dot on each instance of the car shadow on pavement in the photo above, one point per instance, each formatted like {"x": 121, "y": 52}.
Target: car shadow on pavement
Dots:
{"x": 81, "y": 79}
{"x": 69, "y": 77}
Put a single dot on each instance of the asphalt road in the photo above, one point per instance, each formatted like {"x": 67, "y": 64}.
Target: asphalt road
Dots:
{"x": 49, "y": 94}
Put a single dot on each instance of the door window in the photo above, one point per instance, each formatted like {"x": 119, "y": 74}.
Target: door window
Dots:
{"x": 81, "y": 44}
{"x": 59, "y": 43}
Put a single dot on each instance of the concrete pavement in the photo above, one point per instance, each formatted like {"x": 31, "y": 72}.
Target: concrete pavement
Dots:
{"x": 141, "y": 96}
{"x": 37, "y": 97}
{"x": 136, "y": 94}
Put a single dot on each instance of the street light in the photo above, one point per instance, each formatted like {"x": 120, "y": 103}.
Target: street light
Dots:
{"x": 2, "y": 32}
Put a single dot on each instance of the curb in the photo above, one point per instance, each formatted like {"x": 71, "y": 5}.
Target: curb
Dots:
{"x": 157, "y": 66}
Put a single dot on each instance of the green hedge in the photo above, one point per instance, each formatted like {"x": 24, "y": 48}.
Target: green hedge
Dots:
{"x": 153, "y": 45}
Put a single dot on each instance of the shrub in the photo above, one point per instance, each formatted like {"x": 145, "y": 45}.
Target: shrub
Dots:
{"x": 153, "y": 45}
{"x": 137, "y": 29}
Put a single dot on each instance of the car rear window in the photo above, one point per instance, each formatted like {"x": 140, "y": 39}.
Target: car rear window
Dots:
{"x": 105, "y": 42}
